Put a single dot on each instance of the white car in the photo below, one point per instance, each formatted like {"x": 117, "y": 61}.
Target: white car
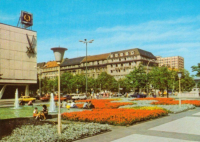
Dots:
{"x": 79, "y": 97}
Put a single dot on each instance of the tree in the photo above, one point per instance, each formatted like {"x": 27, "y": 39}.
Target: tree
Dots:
{"x": 66, "y": 82}
{"x": 161, "y": 78}
{"x": 79, "y": 82}
{"x": 48, "y": 85}
{"x": 124, "y": 85}
{"x": 187, "y": 82}
{"x": 137, "y": 78}
{"x": 197, "y": 69}
{"x": 107, "y": 81}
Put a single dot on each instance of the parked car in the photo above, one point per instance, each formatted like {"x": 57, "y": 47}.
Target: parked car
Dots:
{"x": 46, "y": 98}
{"x": 26, "y": 99}
{"x": 130, "y": 94}
{"x": 138, "y": 95}
{"x": 68, "y": 97}
{"x": 61, "y": 98}
{"x": 79, "y": 97}
{"x": 117, "y": 94}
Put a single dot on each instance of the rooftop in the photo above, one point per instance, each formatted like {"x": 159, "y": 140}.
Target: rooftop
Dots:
{"x": 96, "y": 57}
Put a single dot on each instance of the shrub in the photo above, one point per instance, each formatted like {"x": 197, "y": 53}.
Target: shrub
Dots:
{"x": 49, "y": 133}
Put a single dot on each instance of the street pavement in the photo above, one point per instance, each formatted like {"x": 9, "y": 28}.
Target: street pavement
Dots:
{"x": 180, "y": 127}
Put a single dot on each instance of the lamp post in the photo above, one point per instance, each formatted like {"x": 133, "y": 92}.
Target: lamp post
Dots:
{"x": 86, "y": 42}
{"x": 179, "y": 76}
{"x": 147, "y": 74}
{"x": 59, "y": 53}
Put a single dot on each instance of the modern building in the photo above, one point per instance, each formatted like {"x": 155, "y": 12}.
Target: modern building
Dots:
{"x": 18, "y": 60}
{"x": 176, "y": 62}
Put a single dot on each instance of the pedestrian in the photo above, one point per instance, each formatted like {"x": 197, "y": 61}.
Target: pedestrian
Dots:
{"x": 85, "y": 105}
{"x": 35, "y": 112}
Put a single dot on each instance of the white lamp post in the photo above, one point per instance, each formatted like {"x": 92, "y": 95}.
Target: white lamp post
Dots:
{"x": 59, "y": 53}
{"x": 179, "y": 76}
{"x": 86, "y": 42}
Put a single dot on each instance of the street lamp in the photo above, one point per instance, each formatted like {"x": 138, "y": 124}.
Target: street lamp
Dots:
{"x": 59, "y": 53}
{"x": 179, "y": 76}
{"x": 147, "y": 74}
{"x": 86, "y": 42}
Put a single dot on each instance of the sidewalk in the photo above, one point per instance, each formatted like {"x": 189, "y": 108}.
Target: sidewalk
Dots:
{"x": 181, "y": 127}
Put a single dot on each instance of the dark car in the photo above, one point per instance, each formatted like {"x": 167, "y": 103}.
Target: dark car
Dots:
{"x": 117, "y": 95}
{"x": 68, "y": 97}
{"x": 138, "y": 95}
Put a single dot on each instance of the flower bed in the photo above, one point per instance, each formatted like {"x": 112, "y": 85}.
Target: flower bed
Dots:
{"x": 48, "y": 133}
{"x": 146, "y": 108}
{"x": 169, "y": 108}
{"x": 105, "y": 104}
{"x": 192, "y": 102}
{"x": 170, "y": 101}
{"x": 157, "y": 99}
{"x": 114, "y": 116}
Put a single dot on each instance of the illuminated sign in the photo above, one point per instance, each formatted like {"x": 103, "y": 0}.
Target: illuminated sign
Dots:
{"x": 26, "y": 18}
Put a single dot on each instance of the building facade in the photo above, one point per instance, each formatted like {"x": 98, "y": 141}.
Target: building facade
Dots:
{"x": 176, "y": 62}
{"x": 18, "y": 59}
{"x": 118, "y": 64}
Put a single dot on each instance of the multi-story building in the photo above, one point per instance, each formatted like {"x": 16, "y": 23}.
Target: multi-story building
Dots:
{"x": 18, "y": 59}
{"x": 49, "y": 70}
{"x": 117, "y": 64}
{"x": 176, "y": 62}
{"x": 72, "y": 65}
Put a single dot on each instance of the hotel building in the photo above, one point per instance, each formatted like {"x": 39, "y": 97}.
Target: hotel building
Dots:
{"x": 118, "y": 64}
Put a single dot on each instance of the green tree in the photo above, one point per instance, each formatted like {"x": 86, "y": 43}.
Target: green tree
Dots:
{"x": 79, "y": 82}
{"x": 107, "y": 81}
{"x": 161, "y": 78}
{"x": 123, "y": 84}
{"x": 187, "y": 82}
{"x": 48, "y": 85}
{"x": 67, "y": 82}
{"x": 196, "y": 69}
{"x": 137, "y": 78}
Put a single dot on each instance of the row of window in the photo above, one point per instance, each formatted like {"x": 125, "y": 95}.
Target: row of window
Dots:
{"x": 122, "y": 54}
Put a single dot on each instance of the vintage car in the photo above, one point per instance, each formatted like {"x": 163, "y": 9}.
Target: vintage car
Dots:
{"x": 61, "y": 98}
{"x": 26, "y": 99}
{"x": 79, "y": 97}
{"x": 46, "y": 98}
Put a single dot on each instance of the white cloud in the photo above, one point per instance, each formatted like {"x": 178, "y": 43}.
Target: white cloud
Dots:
{"x": 177, "y": 37}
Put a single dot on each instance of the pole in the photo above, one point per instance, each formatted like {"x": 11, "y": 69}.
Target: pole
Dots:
{"x": 86, "y": 66}
{"x": 147, "y": 78}
{"x": 59, "y": 115}
{"x": 179, "y": 92}
{"x": 40, "y": 82}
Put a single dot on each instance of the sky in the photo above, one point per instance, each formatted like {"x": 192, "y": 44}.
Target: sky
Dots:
{"x": 163, "y": 27}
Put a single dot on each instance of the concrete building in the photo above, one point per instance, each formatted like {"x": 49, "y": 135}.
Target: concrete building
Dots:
{"x": 176, "y": 62}
{"x": 117, "y": 64}
{"x": 18, "y": 60}
{"x": 49, "y": 70}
